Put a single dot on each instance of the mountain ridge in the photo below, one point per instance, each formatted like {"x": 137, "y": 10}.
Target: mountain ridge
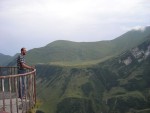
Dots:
{"x": 69, "y": 51}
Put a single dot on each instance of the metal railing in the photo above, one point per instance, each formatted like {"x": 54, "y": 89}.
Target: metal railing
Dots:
{"x": 10, "y": 84}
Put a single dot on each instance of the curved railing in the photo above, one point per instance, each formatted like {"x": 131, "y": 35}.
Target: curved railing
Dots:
{"x": 10, "y": 82}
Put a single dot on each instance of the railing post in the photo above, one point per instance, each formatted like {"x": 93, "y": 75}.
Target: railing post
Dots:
{"x": 34, "y": 86}
{"x": 16, "y": 87}
{"x": 25, "y": 91}
{"x": 10, "y": 89}
{"x": 3, "y": 94}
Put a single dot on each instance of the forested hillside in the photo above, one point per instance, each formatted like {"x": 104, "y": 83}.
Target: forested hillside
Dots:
{"x": 118, "y": 85}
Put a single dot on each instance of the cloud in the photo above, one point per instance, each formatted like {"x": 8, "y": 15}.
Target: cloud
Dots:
{"x": 69, "y": 12}
{"x": 139, "y": 28}
{"x": 76, "y": 20}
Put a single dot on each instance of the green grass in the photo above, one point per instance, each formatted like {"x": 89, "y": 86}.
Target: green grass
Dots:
{"x": 80, "y": 63}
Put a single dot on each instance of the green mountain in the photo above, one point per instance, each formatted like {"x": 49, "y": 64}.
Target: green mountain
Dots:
{"x": 76, "y": 52}
{"x": 4, "y": 59}
{"x": 120, "y": 84}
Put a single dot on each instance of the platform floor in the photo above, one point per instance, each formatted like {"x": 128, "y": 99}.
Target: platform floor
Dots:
{"x": 23, "y": 105}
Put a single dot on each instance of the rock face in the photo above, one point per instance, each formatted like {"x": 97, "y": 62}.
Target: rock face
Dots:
{"x": 137, "y": 53}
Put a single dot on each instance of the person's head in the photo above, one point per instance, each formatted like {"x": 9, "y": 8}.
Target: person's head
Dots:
{"x": 23, "y": 51}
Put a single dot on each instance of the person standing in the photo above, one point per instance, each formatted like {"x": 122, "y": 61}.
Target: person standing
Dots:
{"x": 22, "y": 67}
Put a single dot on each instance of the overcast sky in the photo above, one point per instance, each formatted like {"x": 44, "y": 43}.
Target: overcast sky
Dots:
{"x": 35, "y": 23}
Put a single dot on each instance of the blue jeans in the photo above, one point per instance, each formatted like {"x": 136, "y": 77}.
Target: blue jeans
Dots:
{"x": 21, "y": 86}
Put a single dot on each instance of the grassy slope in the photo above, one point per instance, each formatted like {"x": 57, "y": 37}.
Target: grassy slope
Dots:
{"x": 67, "y": 51}
{"x": 107, "y": 86}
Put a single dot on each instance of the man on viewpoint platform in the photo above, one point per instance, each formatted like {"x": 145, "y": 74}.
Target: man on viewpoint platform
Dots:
{"x": 22, "y": 66}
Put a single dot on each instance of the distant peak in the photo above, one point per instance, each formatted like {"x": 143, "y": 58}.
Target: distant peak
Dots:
{"x": 59, "y": 42}
{"x": 4, "y": 54}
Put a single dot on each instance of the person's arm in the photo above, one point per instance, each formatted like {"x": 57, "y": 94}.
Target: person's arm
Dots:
{"x": 26, "y": 66}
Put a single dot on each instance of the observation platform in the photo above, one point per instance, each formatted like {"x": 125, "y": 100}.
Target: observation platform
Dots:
{"x": 10, "y": 83}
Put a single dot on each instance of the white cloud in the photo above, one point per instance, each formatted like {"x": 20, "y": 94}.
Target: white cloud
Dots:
{"x": 139, "y": 28}
{"x": 76, "y": 20}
